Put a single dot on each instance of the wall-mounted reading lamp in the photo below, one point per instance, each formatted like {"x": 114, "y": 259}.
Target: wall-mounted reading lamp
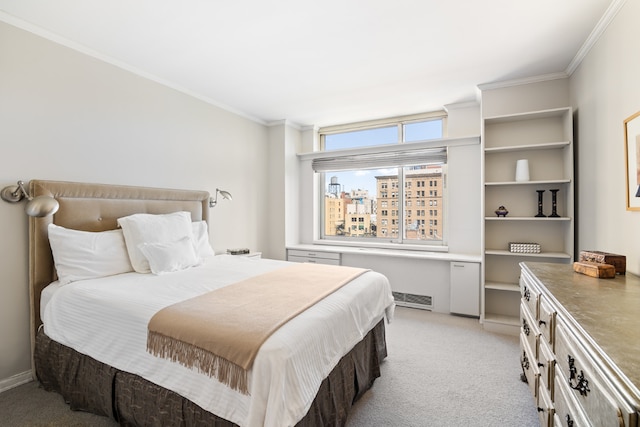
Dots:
{"x": 36, "y": 206}
{"x": 225, "y": 196}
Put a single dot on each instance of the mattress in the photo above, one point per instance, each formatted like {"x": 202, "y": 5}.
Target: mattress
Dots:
{"x": 107, "y": 318}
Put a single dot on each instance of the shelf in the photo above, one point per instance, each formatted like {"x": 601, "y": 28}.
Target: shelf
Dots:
{"x": 500, "y": 252}
{"x": 545, "y": 139}
{"x": 527, "y": 147}
{"x": 502, "y": 319}
{"x": 526, "y": 218}
{"x": 554, "y": 112}
{"x": 545, "y": 182}
{"x": 500, "y": 286}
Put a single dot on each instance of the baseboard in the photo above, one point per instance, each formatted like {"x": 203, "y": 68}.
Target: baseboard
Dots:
{"x": 15, "y": 381}
{"x": 501, "y": 328}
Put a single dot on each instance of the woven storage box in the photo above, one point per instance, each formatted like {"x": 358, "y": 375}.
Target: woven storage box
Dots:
{"x": 618, "y": 261}
{"x": 524, "y": 248}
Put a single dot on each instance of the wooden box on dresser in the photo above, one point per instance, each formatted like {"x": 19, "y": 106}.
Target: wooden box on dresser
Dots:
{"x": 580, "y": 346}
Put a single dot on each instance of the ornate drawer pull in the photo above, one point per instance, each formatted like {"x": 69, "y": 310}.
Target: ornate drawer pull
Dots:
{"x": 525, "y": 327}
{"x": 524, "y": 361}
{"x": 541, "y": 322}
{"x": 526, "y": 293}
{"x": 569, "y": 421}
{"x": 582, "y": 384}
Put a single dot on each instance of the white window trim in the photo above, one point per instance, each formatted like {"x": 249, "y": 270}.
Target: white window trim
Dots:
{"x": 390, "y": 148}
{"x": 391, "y": 121}
{"x": 435, "y": 143}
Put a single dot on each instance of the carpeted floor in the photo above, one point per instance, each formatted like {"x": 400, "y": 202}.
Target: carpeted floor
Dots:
{"x": 442, "y": 370}
{"x": 445, "y": 370}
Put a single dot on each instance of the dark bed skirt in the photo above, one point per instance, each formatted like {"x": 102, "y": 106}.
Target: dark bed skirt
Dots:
{"x": 92, "y": 386}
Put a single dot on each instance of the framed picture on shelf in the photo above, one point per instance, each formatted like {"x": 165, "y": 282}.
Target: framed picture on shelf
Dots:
{"x": 632, "y": 153}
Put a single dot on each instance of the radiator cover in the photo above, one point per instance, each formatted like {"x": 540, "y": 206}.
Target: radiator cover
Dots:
{"x": 424, "y": 302}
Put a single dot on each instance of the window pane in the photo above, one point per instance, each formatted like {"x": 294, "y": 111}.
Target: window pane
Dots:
{"x": 379, "y": 205}
{"x": 365, "y": 204}
{"x": 351, "y": 202}
{"x": 361, "y": 138}
{"x": 420, "y": 131}
{"x": 423, "y": 187}
{"x": 388, "y": 196}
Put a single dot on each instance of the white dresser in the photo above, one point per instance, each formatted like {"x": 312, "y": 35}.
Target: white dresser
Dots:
{"x": 580, "y": 346}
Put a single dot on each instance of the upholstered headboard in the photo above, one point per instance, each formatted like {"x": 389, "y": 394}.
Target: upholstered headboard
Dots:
{"x": 94, "y": 207}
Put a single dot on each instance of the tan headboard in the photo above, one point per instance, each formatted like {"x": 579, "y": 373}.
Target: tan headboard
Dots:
{"x": 95, "y": 207}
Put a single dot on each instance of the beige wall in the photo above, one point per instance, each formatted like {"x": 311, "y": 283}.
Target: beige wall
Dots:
{"x": 605, "y": 90}
{"x": 67, "y": 116}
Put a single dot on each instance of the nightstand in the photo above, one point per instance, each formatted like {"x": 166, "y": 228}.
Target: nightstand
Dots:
{"x": 255, "y": 255}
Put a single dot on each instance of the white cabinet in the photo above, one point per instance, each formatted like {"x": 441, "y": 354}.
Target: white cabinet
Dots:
{"x": 545, "y": 139}
{"x": 465, "y": 288}
{"x": 314, "y": 257}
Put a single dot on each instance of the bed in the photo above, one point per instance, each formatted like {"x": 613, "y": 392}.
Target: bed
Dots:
{"x": 94, "y": 358}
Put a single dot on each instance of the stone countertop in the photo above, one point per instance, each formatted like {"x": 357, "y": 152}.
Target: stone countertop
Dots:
{"x": 605, "y": 311}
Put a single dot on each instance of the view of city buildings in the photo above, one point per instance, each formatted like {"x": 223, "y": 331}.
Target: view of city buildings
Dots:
{"x": 356, "y": 213}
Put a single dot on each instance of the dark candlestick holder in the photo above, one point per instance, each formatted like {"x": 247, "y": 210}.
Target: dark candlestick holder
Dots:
{"x": 540, "y": 214}
{"x": 554, "y": 204}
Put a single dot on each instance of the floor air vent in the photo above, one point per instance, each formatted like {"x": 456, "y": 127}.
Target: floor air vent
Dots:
{"x": 412, "y": 300}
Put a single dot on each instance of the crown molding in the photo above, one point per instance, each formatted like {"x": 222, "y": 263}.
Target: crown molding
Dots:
{"x": 523, "y": 81}
{"x": 284, "y": 122}
{"x": 595, "y": 35}
{"x": 56, "y": 38}
{"x": 310, "y": 128}
{"x": 460, "y": 105}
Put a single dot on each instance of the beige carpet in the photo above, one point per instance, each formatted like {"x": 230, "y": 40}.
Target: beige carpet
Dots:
{"x": 445, "y": 370}
{"x": 441, "y": 371}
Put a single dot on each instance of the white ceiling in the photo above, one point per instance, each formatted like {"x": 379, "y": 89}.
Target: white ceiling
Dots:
{"x": 324, "y": 62}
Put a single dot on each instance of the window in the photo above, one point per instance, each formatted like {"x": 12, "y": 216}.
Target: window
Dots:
{"x": 380, "y": 167}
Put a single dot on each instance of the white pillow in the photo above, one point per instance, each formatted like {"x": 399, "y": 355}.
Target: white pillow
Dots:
{"x": 170, "y": 256}
{"x": 80, "y": 255}
{"x": 201, "y": 240}
{"x": 150, "y": 228}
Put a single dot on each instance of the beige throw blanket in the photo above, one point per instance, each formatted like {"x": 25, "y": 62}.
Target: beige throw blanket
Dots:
{"x": 220, "y": 332}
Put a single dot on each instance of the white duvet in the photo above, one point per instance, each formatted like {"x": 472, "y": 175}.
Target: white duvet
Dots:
{"x": 107, "y": 319}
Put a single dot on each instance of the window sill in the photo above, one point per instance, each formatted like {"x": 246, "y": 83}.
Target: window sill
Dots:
{"x": 400, "y": 253}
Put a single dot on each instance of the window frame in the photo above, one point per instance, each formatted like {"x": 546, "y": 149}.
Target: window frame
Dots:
{"x": 400, "y": 242}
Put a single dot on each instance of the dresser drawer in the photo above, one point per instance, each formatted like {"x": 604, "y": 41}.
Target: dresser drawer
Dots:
{"x": 530, "y": 295}
{"x": 546, "y": 321}
{"x": 314, "y": 254}
{"x": 546, "y": 364}
{"x": 567, "y": 410}
{"x": 529, "y": 366}
{"x": 529, "y": 329}
{"x": 545, "y": 407}
{"x": 329, "y": 261}
{"x": 597, "y": 397}
{"x": 315, "y": 257}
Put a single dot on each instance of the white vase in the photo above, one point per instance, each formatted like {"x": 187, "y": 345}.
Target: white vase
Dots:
{"x": 522, "y": 170}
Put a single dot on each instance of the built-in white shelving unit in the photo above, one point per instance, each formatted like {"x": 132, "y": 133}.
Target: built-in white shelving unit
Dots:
{"x": 545, "y": 139}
